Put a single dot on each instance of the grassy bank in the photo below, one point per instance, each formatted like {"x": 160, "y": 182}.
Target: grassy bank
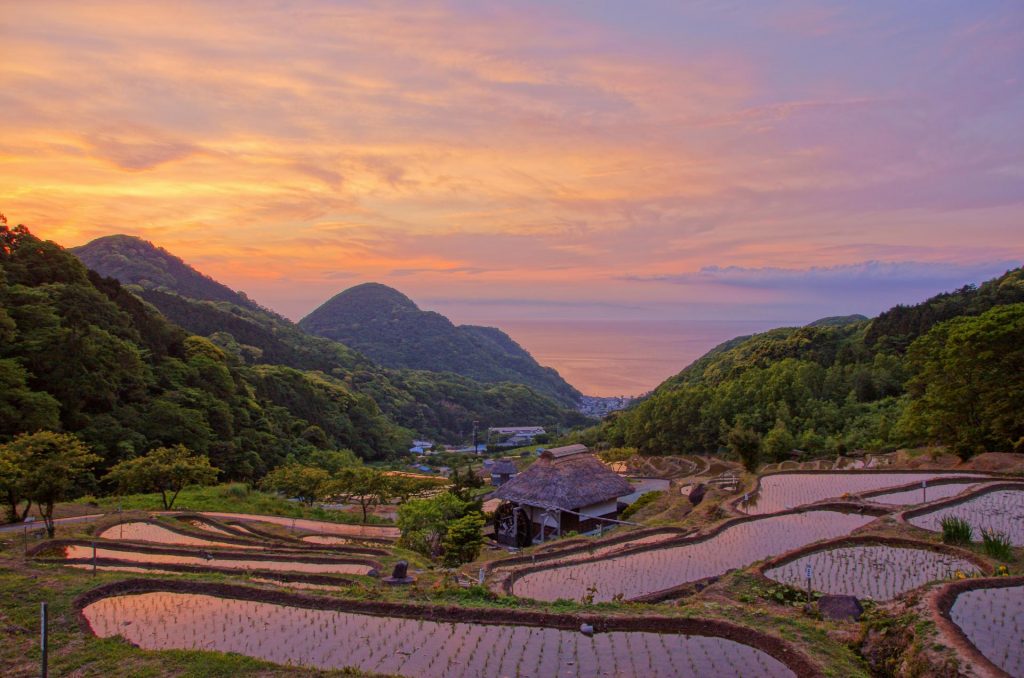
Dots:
{"x": 228, "y": 498}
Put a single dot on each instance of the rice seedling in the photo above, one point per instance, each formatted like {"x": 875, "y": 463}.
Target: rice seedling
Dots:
{"x": 956, "y": 530}
{"x": 997, "y": 545}
{"x": 328, "y": 639}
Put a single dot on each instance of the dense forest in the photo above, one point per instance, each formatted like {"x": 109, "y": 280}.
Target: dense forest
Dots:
{"x": 80, "y": 354}
{"x": 387, "y": 326}
{"x": 432, "y": 404}
{"x": 946, "y": 371}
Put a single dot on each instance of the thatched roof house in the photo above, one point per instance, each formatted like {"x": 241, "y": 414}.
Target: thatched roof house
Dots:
{"x": 556, "y": 495}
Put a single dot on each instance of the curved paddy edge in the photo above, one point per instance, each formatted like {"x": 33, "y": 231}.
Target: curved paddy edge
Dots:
{"x": 509, "y": 581}
{"x": 777, "y": 648}
{"x": 870, "y": 540}
{"x": 940, "y": 603}
{"x": 906, "y": 516}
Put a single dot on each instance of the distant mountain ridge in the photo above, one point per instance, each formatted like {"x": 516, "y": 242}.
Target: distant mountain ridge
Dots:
{"x": 132, "y": 260}
{"x": 390, "y": 328}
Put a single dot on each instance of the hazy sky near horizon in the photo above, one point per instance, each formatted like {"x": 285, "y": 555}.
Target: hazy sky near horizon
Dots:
{"x": 553, "y": 165}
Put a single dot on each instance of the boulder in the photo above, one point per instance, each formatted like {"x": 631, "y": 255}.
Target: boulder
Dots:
{"x": 840, "y": 608}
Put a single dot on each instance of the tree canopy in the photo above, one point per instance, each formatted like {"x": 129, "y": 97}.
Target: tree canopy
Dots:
{"x": 167, "y": 470}
{"x": 46, "y": 467}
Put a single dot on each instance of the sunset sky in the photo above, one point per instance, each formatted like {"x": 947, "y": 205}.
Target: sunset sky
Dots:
{"x": 619, "y": 185}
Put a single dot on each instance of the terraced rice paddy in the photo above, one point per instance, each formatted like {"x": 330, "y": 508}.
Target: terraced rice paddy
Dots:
{"x": 640, "y": 574}
{"x": 877, "y": 571}
{"x": 320, "y": 526}
{"x": 140, "y": 531}
{"x": 327, "y": 540}
{"x": 83, "y": 552}
{"x": 328, "y": 639}
{"x": 922, "y": 496}
{"x": 1000, "y": 510}
{"x": 993, "y": 620}
{"x": 210, "y": 528}
{"x": 790, "y": 490}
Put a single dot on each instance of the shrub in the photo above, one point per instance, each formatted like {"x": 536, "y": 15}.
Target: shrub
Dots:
{"x": 642, "y": 501}
{"x": 956, "y": 531}
{"x": 997, "y": 545}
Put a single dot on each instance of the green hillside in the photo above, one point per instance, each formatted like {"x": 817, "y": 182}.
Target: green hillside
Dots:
{"x": 79, "y": 353}
{"x": 948, "y": 371}
{"x": 435, "y": 405}
{"x": 386, "y": 325}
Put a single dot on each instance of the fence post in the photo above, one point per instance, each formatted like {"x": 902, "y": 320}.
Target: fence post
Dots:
{"x": 42, "y": 639}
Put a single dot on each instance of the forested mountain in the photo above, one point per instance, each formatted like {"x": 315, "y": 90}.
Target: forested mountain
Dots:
{"x": 79, "y": 353}
{"x": 133, "y": 260}
{"x": 442, "y": 406}
{"x": 948, "y": 371}
{"x": 386, "y": 325}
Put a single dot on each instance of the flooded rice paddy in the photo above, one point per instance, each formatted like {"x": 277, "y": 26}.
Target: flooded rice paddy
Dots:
{"x": 140, "y": 531}
{"x": 1001, "y": 510}
{"x": 874, "y": 571}
{"x": 321, "y": 526}
{"x": 993, "y": 620}
{"x": 922, "y": 496}
{"x": 640, "y": 574}
{"x": 790, "y": 490}
{"x": 329, "y": 639}
{"x": 85, "y": 552}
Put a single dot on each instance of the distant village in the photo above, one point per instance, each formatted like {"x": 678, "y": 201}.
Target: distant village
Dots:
{"x": 600, "y": 407}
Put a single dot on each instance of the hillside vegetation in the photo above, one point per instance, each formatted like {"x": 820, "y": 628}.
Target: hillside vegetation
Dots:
{"x": 81, "y": 354}
{"x": 947, "y": 371}
{"x": 386, "y": 325}
{"x": 432, "y": 404}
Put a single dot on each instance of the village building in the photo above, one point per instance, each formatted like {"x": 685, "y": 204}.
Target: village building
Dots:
{"x": 566, "y": 490}
{"x": 502, "y": 471}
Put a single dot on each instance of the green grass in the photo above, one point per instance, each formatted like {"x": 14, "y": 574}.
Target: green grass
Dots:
{"x": 956, "y": 531}
{"x": 997, "y": 545}
{"x": 229, "y": 498}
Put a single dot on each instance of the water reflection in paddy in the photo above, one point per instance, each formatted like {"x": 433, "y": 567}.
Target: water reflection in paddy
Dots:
{"x": 76, "y": 551}
{"x": 141, "y": 531}
{"x": 922, "y": 495}
{"x": 328, "y": 639}
{"x": 639, "y": 574}
{"x": 993, "y": 619}
{"x": 790, "y": 490}
{"x": 1001, "y": 511}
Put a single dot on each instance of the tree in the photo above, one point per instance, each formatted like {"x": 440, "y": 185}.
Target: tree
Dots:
{"x": 778, "y": 442}
{"x": 746, "y": 444}
{"x": 363, "y": 486}
{"x": 464, "y": 539}
{"x": 425, "y": 522}
{"x": 306, "y": 483}
{"x": 166, "y": 470}
{"x": 50, "y": 467}
{"x": 12, "y": 487}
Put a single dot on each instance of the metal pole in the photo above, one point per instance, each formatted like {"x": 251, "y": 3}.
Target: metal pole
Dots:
{"x": 42, "y": 639}
{"x": 808, "y": 584}
{"x": 94, "y": 559}
{"x": 924, "y": 491}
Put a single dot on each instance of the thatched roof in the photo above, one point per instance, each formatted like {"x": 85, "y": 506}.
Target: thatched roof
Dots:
{"x": 568, "y": 451}
{"x": 569, "y": 483}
